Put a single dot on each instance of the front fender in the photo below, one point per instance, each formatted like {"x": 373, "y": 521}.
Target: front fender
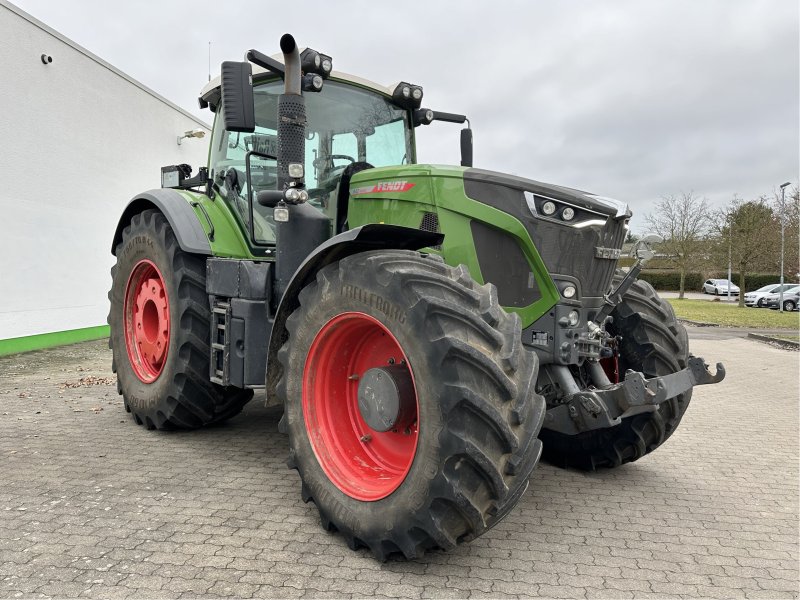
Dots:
{"x": 182, "y": 218}
{"x": 359, "y": 239}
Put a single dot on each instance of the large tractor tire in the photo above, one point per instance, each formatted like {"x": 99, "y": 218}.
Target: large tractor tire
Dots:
{"x": 409, "y": 403}
{"x": 654, "y": 343}
{"x": 160, "y": 331}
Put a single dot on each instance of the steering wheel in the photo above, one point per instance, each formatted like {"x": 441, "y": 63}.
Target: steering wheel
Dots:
{"x": 343, "y": 156}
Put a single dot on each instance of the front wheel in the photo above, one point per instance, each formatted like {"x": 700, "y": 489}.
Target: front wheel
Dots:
{"x": 409, "y": 403}
{"x": 789, "y": 305}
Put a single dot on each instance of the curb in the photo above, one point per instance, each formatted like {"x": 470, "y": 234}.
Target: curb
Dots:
{"x": 698, "y": 323}
{"x": 778, "y": 341}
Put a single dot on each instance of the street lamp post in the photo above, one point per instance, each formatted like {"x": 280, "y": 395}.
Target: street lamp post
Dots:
{"x": 783, "y": 204}
{"x": 730, "y": 255}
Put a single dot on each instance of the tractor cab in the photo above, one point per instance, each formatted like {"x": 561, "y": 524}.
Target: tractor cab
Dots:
{"x": 351, "y": 125}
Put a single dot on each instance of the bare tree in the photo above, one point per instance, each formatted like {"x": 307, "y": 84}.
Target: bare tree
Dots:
{"x": 751, "y": 231}
{"x": 683, "y": 221}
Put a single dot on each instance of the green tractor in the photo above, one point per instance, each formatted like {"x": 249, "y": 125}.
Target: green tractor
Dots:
{"x": 431, "y": 331}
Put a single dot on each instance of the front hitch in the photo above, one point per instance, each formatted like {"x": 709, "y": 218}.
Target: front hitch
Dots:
{"x": 591, "y": 409}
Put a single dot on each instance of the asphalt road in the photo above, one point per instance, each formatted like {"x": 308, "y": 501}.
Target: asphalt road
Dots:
{"x": 95, "y": 507}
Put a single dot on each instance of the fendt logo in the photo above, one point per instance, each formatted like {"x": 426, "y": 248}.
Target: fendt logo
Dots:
{"x": 383, "y": 186}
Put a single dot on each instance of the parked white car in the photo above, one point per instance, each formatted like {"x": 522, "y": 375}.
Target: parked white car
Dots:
{"x": 756, "y": 298}
{"x": 720, "y": 287}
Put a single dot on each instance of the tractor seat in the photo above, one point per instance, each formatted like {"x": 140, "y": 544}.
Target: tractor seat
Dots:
{"x": 343, "y": 195}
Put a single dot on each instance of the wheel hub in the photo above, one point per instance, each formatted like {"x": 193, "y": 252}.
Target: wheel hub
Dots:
{"x": 147, "y": 323}
{"x": 360, "y": 406}
{"x": 386, "y": 397}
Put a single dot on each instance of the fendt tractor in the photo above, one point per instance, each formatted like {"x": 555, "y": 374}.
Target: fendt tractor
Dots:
{"x": 430, "y": 331}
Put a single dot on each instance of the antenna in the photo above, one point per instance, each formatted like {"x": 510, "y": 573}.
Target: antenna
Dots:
{"x": 209, "y": 61}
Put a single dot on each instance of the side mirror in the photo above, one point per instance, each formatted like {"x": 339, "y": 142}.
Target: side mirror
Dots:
{"x": 466, "y": 147}
{"x": 237, "y": 96}
{"x": 642, "y": 251}
{"x": 652, "y": 238}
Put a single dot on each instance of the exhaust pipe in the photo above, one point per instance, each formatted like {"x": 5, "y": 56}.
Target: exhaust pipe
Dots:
{"x": 291, "y": 65}
{"x": 291, "y": 115}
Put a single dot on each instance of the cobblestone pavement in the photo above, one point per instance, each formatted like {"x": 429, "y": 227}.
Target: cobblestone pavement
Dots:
{"x": 93, "y": 506}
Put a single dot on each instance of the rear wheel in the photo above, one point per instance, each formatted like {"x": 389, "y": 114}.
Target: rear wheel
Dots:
{"x": 160, "y": 331}
{"x": 654, "y": 343}
{"x": 409, "y": 402}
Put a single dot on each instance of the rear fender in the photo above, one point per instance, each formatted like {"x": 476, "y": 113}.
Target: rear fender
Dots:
{"x": 353, "y": 241}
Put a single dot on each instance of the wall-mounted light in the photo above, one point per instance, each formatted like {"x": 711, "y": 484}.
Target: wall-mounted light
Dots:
{"x": 194, "y": 133}
{"x": 46, "y": 59}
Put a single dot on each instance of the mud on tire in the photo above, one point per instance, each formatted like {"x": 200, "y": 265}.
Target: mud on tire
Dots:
{"x": 478, "y": 414}
{"x": 654, "y": 343}
{"x": 181, "y": 396}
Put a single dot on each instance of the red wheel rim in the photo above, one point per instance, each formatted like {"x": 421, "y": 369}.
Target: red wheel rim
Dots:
{"x": 363, "y": 463}
{"x": 146, "y": 314}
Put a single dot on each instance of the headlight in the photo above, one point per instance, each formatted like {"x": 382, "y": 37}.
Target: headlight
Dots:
{"x": 407, "y": 95}
{"x": 312, "y": 82}
{"x": 568, "y": 214}
{"x": 569, "y": 291}
{"x": 312, "y": 61}
{"x": 548, "y": 208}
{"x": 573, "y": 318}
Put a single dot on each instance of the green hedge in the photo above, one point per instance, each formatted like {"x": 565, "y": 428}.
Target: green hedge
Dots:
{"x": 671, "y": 280}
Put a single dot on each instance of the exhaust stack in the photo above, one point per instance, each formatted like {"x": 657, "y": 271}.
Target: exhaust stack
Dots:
{"x": 303, "y": 227}
{"x": 291, "y": 116}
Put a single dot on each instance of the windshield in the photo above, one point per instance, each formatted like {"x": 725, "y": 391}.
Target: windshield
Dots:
{"x": 346, "y": 125}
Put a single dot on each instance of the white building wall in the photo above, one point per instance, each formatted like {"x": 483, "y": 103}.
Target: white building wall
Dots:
{"x": 78, "y": 139}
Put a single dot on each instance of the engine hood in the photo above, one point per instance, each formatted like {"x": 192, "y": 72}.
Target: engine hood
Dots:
{"x": 601, "y": 204}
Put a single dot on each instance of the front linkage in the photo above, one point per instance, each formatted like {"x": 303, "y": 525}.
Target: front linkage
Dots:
{"x": 585, "y": 410}
{"x": 606, "y": 403}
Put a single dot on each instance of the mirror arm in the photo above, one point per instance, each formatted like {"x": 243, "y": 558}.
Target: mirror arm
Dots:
{"x": 267, "y": 62}
{"x": 643, "y": 253}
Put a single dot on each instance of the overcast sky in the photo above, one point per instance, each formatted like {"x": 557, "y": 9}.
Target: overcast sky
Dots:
{"x": 631, "y": 99}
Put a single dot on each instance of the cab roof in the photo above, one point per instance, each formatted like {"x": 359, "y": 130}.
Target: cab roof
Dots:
{"x": 210, "y": 93}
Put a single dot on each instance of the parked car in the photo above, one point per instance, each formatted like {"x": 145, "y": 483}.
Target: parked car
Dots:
{"x": 756, "y": 298}
{"x": 720, "y": 286}
{"x": 791, "y": 299}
